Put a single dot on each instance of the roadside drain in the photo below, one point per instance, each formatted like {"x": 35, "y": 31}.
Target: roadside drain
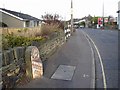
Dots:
{"x": 64, "y": 72}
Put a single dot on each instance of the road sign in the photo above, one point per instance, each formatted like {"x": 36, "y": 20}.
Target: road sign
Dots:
{"x": 99, "y": 21}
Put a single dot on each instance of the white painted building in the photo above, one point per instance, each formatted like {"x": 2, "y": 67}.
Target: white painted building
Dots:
{"x": 118, "y": 15}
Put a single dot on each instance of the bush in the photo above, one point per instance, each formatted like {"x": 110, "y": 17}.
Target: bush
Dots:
{"x": 26, "y": 36}
{"x": 10, "y": 41}
{"x": 48, "y": 30}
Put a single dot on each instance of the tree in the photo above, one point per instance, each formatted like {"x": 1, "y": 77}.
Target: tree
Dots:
{"x": 95, "y": 20}
{"x": 82, "y": 23}
{"x": 110, "y": 20}
{"x": 53, "y": 19}
{"x": 89, "y": 21}
{"x": 89, "y": 18}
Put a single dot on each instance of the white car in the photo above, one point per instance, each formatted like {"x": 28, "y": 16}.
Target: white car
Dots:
{"x": 81, "y": 26}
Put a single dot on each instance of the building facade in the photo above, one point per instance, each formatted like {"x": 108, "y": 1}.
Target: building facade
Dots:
{"x": 13, "y": 19}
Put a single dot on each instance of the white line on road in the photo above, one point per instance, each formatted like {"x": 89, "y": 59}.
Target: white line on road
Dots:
{"x": 103, "y": 72}
{"x": 93, "y": 63}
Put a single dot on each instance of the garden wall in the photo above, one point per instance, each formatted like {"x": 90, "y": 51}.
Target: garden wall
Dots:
{"x": 13, "y": 68}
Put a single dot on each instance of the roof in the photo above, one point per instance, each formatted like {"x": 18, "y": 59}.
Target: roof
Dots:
{"x": 20, "y": 15}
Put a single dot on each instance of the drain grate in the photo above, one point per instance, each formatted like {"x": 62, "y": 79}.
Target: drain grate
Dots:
{"x": 64, "y": 72}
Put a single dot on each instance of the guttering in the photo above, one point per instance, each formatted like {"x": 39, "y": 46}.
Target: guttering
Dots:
{"x": 11, "y": 14}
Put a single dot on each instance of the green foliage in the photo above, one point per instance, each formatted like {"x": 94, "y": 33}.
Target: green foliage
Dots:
{"x": 4, "y": 43}
{"x": 95, "y": 20}
{"x": 82, "y": 23}
{"x": 10, "y": 41}
{"x": 19, "y": 31}
{"x": 26, "y": 36}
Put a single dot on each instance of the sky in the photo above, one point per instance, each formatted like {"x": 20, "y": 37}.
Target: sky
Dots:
{"x": 81, "y": 8}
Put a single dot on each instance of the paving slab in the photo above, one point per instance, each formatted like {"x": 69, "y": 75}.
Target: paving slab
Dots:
{"x": 64, "y": 72}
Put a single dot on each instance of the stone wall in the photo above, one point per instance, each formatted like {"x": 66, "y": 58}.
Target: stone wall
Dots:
{"x": 48, "y": 48}
{"x": 13, "y": 68}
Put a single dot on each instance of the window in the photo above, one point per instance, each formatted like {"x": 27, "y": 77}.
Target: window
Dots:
{"x": 27, "y": 23}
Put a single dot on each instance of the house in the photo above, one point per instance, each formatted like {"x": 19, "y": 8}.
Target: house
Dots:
{"x": 15, "y": 19}
{"x": 118, "y": 15}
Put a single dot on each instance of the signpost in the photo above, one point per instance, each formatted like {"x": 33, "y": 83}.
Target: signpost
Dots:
{"x": 36, "y": 63}
{"x": 100, "y": 21}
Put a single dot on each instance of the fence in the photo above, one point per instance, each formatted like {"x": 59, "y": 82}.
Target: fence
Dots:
{"x": 67, "y": 33}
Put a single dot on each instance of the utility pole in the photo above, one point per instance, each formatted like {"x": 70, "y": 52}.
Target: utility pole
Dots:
{"x": 71, "y": 16}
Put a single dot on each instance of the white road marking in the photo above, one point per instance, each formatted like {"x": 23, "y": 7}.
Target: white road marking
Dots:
{"x": 101, "y": 63}
{"x": 93, "y": 63}
{"x": 85, "y": 76}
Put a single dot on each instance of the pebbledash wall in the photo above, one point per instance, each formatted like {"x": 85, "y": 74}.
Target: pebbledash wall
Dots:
{"x": 17, "y": 62}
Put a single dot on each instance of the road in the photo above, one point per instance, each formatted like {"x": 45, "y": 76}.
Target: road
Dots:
{"x": 80, "y": 53}
{"x": 107, "y": 44}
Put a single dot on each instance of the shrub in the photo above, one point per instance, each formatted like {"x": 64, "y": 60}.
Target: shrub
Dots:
{"x": 25, "y": 29}
{"x": 10, "y": 41}
{"x": 24, "y": 37}
{"x": 47, "y": 30}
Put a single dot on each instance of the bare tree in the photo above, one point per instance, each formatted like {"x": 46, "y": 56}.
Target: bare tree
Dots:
{"x": 51, "y": 19}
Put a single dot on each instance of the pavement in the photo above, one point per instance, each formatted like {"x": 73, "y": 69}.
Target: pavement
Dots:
{"x": 70, "y": 67}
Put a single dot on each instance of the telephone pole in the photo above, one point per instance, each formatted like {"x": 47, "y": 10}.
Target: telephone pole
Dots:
{"x": 71, "y": 16}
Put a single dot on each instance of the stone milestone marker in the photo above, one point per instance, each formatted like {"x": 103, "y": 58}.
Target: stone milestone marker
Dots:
{"x": 34, "y": 67}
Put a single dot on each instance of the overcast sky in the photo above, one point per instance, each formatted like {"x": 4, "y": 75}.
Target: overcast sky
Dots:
{"x": 81, "y": 8}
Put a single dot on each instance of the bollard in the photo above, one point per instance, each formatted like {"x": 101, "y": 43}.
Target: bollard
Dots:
{"x": 34, "y": 67}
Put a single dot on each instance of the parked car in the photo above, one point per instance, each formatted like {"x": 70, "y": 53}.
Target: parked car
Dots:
{"x": 81, "y": 26}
